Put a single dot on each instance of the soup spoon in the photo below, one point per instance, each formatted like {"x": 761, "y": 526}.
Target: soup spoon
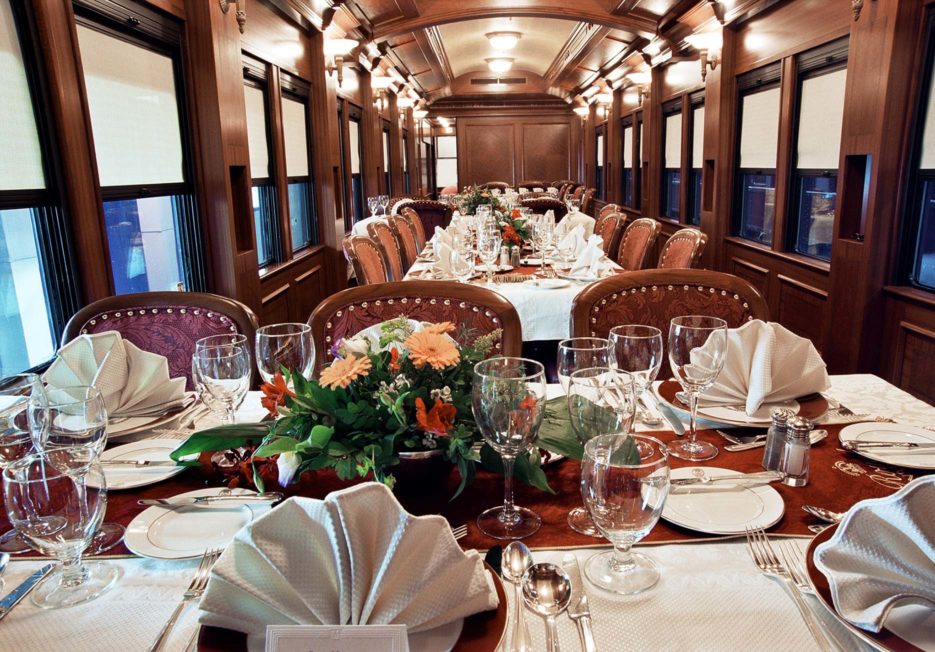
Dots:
{"x": 516, "y": 559}
{"x": 547, "y": 591}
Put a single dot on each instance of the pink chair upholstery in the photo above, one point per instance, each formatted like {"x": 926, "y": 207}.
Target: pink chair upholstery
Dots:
{"x": 368, "y": 260}
{"x": 683, "y": 249}
{"x": 610, "y": 228}
{"x": 383, "y": 235}
{"x": 637, "y": 241}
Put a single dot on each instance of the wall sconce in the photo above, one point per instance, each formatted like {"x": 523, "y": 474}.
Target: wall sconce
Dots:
{"x": 418, "y": 114}
{"x": 337, "y": 49}
{"x": 241, "y": 11}
{"x": 583, "y": 112}
{"x": 380, "y": 84}
{"x": 709, "y": 46}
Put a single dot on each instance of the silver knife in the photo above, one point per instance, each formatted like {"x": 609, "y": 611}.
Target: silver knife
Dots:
{"x": 205, "y": 500}
{"x": 21, "y": 591}
{"x": 767, "y": 476}
{"x": 578, "y": 609}
{"x": 139, "y": 463}
{"x": 860, "y": 445}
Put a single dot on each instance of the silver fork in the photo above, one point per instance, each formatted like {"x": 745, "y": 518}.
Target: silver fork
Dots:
{"x": 460, "y": 532}
{"x": 767, "y": 561}
{"x": 195, "y": 590}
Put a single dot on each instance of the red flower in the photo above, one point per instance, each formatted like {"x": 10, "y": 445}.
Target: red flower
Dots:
{"x": 275, "y": 393}
{"x": 529, "y": 403}
{"x": 439, "y": 420}
{"x": 394, "y": 360}
{"x": 510, "y": 234}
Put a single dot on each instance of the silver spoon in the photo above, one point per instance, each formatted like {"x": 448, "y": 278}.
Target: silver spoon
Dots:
{"x": 4, "y": 560}
{"x": 516, "y": 559}
{"x": 824, "y": 514}
{"x": 547, "y": 591}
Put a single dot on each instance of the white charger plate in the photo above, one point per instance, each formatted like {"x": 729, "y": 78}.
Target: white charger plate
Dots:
{"x": 736, "y": 414}
{"x": 129, "y": 476}
{"x": 721, "y": 508}
{"x": 186, "y": 532}
{"x": 908, "y": 458}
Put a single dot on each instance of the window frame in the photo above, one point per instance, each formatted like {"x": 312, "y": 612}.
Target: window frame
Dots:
{"x": 626, "y": 172}
{"x": 600, "y": 171}
{"x": 438, "y": 158}
{"x": 695, "y": 188}
{"x": 669, "y": 109}
{"x": 386, "y": 143}
{"x": 298, "y": 90}
{"x": 407, "y": 184}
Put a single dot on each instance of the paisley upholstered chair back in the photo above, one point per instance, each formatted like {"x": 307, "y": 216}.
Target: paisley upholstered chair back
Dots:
{"x": 381, "y": 233}
{"x": 683, "y": 249}
{"x": 417, "y": 226}
{"x": 638, "y": 239}
{"x": 368, "y": 260}
{"x": 406, "y": 237}
{"x": 608, "y": 209}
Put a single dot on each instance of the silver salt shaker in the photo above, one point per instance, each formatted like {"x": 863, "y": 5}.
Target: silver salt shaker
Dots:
{"x": 504, "y": 256}
{"x": 776, "y": 438}
{"x": 514, "y": 256}
{"x": 796, "y": 453}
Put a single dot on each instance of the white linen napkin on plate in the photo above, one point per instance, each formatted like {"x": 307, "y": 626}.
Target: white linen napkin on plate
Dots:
{"x": 883, "y": 554}
{"x": 766, "y": 363}
{"x": 131, "y": 380}
{"x": 589, "y": 262}
{"x": 442, "y": 236}
{"x": 573, "y": 242}
{"x": 443, "y": 256}
{"x": 572, "y": 220}
{"x": 355, "y": 558}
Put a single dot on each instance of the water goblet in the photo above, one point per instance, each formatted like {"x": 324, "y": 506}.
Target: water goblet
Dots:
{"x": 373, "y": 203}
{"x": 488, "y": 249}
{"x": 212, "y": 341}
{"x": 624, "y": 484}
{"x": 508, "y": 399}
{"x": 286, "y": 346}
{"x": 581, "y": 353}
{"x": 225, "y": 373}
{"x": 697, "y": 352}
{"x": 384, "y": 201}
{"x": 638, "y": 349}
{"x": 574, "y": 205}
{"x": 543, "y": 232}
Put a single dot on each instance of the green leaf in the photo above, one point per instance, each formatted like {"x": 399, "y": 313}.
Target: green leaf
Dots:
{"x": 556, "y": 434}
{"x": 320, "y": 436}
{"x": 467, "y": 471}
{"x": 221, "y": 438}
{"x": 525, "y": 469}
{"x": 257, "y": 479}
{"x": 277, "y": 446}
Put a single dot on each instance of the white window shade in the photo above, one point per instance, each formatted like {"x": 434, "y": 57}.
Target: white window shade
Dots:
{"x": 821, "y": 114}
{"x": 927, "y": 160}
{"x": 697, "y": 137}
{"x": 628, "y": 147}
{"x": 759, "y": 131}
{"x": 21, "y": 162}
{"x": 674, "y": 141}
{"x": 386, "y": 151}
{"x": 353, "y": 128}
{"x": 295, "y": 133}
{"x": 447, "y": 146}
{"x": 257, "y": 132}
{"x": 446, "y": 172}
{"x": 600, "y": 150}
{"x": 642, "y": 145}
{"x": 134, "y": 111}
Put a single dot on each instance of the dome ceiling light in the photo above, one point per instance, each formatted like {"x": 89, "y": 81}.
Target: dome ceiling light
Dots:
{"x": 499, "y": 64}
{"x": 503, "y": 40}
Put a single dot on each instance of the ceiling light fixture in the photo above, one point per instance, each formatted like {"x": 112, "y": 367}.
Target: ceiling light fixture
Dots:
{"x": 499, "y": 64}
{"x": 503, "y": 40}
{"x": 709, "y": 46}
{"x": 583, "y": 112}
{"x": 337, "y": 49}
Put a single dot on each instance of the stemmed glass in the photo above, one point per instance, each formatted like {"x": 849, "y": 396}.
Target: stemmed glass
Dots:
{"x": 384, "y": 201}
{"x": 488, "y": 249}
{"x": 373, "y": 203}
{"x": 16, "y": 392}
{"x": 211, "y": 341}
{"x": 225, "y": 373}
{"x": 624, "y": 484}
{"x": 574, "y": 205}
{"x": 543, "y": 232}
{"x": 697, "y": 352}
{"x": 284, "y": 345}
{"x": 600, "y": 401}
{"x": 638, "y": 349}
{"x": 581, "y": 353}
{"x": 58, "y": 513}
{"x": 508, "y": 397}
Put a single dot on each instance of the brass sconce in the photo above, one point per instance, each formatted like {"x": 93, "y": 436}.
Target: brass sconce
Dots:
{"x": 241, "y": 11}
{"x": 709, "y": 46}
{"x": 337, "y": 49}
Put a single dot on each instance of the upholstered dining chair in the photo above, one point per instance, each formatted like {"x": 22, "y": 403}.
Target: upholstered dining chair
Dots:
{"x": 167, "y": 323}
{"x": 562, "y": 182}
{"x": 638, "y": 239}
{"x": 406, "y": 237}
{"x": 416, "y": 221}
{"x": 578, "y": 192}
{"x": 432, "y": 213}
{"x": 368, "y": 260}
{"x": 683, "y": 249}
{"x": 385, "y": 237}
{"x": 653, "y": 297}
{"x": 391, "y": 204}
{"x": 587, "y": 201}
{"x": 474, "y": 310}
{"x": 610, "y": 228}
{"x": 546, "y": 203}
{"x": 531, "y": 184}
{"x": 491, "y": 185}
{"x": 608, "y": 209}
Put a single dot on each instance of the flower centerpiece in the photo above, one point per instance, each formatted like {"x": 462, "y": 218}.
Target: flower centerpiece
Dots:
{"x": 473, "y": 196}
{"x": 396, "y": 388}
{"x": 515, "y": 229}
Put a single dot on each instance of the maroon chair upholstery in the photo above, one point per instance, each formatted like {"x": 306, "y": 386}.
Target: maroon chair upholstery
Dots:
{"x": 432, "y": 213}
{"x": 562, "y": 182}
{"x": 490, "y": 185}
{"x": 638, "y": 239}
{"x": 542, "y": 204}
{"x": 416, "y": 222}
{"x": 534, "y": 183}
{"x": 167, "y": 323}
{"x": 578, "y": 192}
{"x": 368, "y": 260}
{"x": 395, "y": 200}
{"x": 474, "y": 310}
{"x": 608, "y": 209}
{"x": 653, "y": 297}
{"x": 683, "y": 249}
{"x": 383, "y": 235}
{"x": 406, "y": 237}
{"x": 610, "y": 228}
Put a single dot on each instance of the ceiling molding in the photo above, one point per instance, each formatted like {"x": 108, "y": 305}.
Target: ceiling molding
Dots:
{"x": 408, "y": 8}
{"x": 584, "y": 37}
{"x": 433, "y": 39}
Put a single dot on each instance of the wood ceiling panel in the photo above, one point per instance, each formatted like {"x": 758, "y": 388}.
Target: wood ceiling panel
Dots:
{"x": 379, "y": 11}
{"x": 601, "y": 54}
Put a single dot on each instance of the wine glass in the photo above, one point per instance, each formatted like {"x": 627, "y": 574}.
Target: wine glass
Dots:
{"x": 373, "y": 203}
{"x": 58, "y": 513}
{"x": 543, "y": 232}
{"x": 16, "y": 392}
{"x": 595, "y": 408}
{"x": 508, "y": 397}
{"x": 638, "y": 349}
{"x": 284, "y": 345}
{"x": 211, "y": 341}
{"x": 624, "y": 484}
{"x": 697, "y": 352}
{"x": 581, "y": 353}
{"x": 225, "y": 373}
{"x": 488, "y": 249}
{"x": 573, "y": 204}
{"x": 384, "y": 202}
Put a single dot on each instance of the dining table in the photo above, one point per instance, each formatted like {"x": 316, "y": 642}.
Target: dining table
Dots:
{"x": 711, "y": 595}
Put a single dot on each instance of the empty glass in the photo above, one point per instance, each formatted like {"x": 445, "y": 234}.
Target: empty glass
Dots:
{"x": 225, "y": 373}
{"x": 638, "y": 349}
{"x": 581, "y": 353}
{"x": 508, "y": 398}
{"x": 488, "y": 250}
{"x": 384, "y": 201}
{"x": 58, "y": 514}
{"x": 543, "y": 232}
{"x": 697, "y": 352}
{"x": 574, "y": 205}
{"x": 284, "y": 345}
{"x": 211, "y": 341}
{"x": 373, "y": 203}
{"x": 624, "y": 484}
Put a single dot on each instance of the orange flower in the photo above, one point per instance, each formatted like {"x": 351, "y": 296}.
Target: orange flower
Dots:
{"x": 441, "y": 327}
{"x": 516, "y": 214}
{"x": 529, "y": 403}
{"x": 342, "y": 373}
{"x": 394, "y": 359}
{"x": 510, "y": 234}
{"x": 275, "y": 393}
{"x": 432, "y": 349}
{"x": 439, "y": 420}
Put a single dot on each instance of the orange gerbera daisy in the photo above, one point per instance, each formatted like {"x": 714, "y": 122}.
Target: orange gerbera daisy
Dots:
{"x": 441, "y": 327}
{"x": 433, "y": 349}
{"x": 437, "y": 421}
{"x": 275, "y": 393}
{"x": 342, "y": 373}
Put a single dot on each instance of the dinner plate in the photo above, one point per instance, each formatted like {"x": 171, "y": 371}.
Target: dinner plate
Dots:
{"x": 186, "y": 532}
{"x": 493, "y": 268}
{"x": 907, "y": 628}
{"x": 905, "y": 457}
{"x": 547, "y": 283}
{"x": 811, "y": 407}
{"x": 721, "y": 508}
{"x": 136, "y": 425}
{"x": 127, "y": 476}
{"x": 482, "y": 632}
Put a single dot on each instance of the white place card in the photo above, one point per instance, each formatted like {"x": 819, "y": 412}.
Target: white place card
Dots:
{"x": 336, "y": 638}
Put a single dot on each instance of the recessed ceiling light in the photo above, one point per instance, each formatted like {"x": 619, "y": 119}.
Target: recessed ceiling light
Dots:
{"x": 499, "y": 64}
{"x": 503, "y": 40}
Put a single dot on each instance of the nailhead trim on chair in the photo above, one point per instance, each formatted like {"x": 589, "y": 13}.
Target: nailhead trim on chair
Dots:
{"x": 143, "y": 312}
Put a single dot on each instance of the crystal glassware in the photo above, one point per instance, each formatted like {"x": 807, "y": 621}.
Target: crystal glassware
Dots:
{"x": 373, "y": 203}
{"x": 574, "y": 205}
{"x": 384, "y": 202}
{"x": 488, "y": 250}
{"x": 581, "y": 353}
{"x": 697, "y": 352}
{"x": 58, "y": 514}
{"x": 232, "y": 339}
{"x": 637, "y": 349}
{"x": 508, "y": 397}
{"x": 225, "y": 373}
{"x": 286, "y": 346}
{"x": 543, "y": 232}
{"x": 624, "y": 484}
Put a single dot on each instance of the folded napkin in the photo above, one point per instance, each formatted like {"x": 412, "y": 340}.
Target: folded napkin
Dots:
{"x": 443, "y": 258}
{"x": 355, "y": 558}
{"x": 766, "y": 363}
{"x": 442, "y": 236}
{"x": 589, "y": 261}
{"x": 573, "y": 220}
{"x": 573, "y": 242}
{"x": 132, "y": 381}
{"x": 883, "y": 554}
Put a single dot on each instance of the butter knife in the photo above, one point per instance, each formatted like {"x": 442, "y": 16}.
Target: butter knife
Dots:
{"x": 578, "y": 609}
{"x": 13, "y": 598}
{"x": 206, "y": 500}
{"x": 860, "y": 445}
{"x": 767, "y": 476}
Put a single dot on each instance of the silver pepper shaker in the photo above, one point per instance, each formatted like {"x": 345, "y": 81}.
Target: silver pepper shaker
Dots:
{"x": 514, "y": 256}
{"x": 776, "y": 438}
{"x": 795, "y": 455}
{"x": 504, "y": 256}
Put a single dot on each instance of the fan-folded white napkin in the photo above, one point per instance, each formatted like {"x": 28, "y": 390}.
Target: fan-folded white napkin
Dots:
{"x": 355, "y": 558}
{"x": 590, "y": 260}
{"x": 443, "y": 258}
{"x": 573, "y": 242}
{"x": 132, "y": 381}
{"x": 766, "y": 363}
{"x": 442, "y": 236}
{"x": 573, "y": 220}
{"x": 882, "y": 555}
